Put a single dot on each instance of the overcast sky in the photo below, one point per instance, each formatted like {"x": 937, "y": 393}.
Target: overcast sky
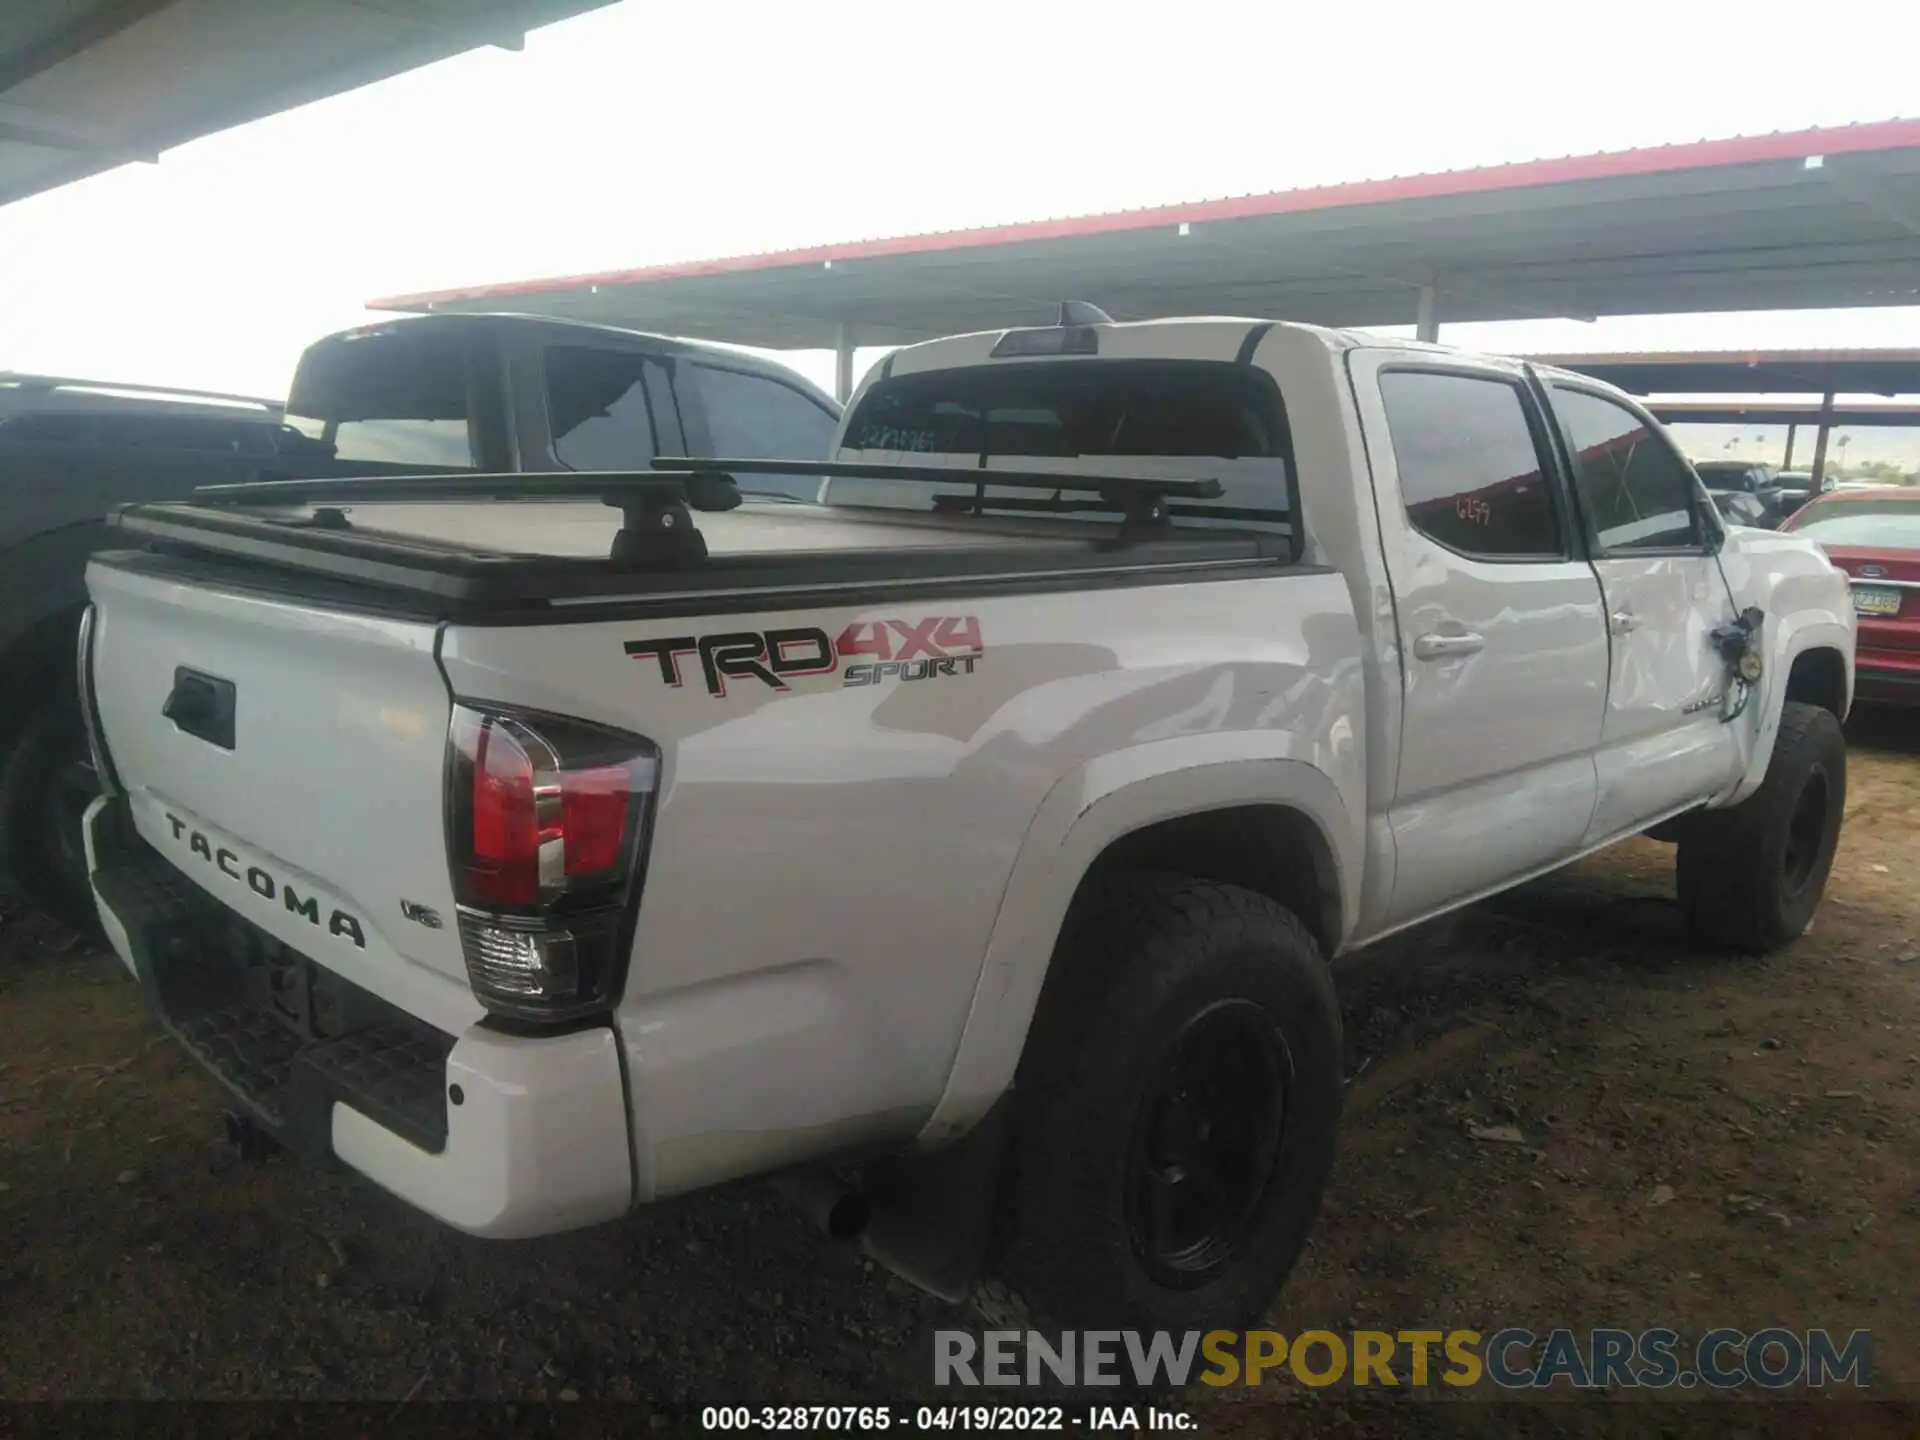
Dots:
{"x": 653, "y": 132}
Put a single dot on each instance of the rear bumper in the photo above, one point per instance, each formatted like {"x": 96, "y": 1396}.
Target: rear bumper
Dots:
{"x": 1886, "y": 676}
{"x": 1889, "y": 688}
{"x": 498, "y": 1135}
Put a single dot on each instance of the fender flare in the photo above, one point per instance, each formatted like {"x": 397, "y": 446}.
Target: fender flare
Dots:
{"x": 1085, "y": 812}
{"x": 1799, "y": 634}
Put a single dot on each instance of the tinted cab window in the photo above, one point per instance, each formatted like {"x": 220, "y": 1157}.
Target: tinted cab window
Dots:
{"x": 756, "y": 417}
{"x": 1721, "y": 475}
{"x": 1637, "y": 492}
{"x": 1160, "y": 415}
{"x": 1469, "y": 461}
{"x": 598, "y": 408}
{"x": 393, "y": 396}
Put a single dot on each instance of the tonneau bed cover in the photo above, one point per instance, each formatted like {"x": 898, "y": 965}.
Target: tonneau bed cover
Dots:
{"x": 534, "y": 541}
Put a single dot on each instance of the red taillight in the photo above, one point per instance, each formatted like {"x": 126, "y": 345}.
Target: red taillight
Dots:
{"x": 593, "y": 807}
{"x": 503, "y": 867}
{"x": 546, "y": 821}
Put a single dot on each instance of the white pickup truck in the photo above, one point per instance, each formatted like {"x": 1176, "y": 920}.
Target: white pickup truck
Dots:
{"x": 969, "y": 848}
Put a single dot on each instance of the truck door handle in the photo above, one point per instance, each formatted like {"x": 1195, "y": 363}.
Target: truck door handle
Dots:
{"x": 1623, "y": 622}
{"x": 1439, "y": 645}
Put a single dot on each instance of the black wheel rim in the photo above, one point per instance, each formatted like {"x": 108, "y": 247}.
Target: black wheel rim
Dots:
{"x": 1806, "y": 834}
{"x": 1206, "y": 1142}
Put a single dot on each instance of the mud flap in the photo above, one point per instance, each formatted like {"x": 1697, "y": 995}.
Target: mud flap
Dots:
{"x": 933, "y": 1214}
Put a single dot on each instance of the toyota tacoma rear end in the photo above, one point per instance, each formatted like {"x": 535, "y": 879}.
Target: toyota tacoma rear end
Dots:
{"x": 969, "y": 841}
{"x": 333, "y": 828}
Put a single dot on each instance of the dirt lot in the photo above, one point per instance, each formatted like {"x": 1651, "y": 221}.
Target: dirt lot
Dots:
{"x": 1700, "y": 1142}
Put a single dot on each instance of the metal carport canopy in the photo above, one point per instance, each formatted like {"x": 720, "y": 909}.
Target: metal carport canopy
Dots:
{"x": 1807, "y": 219}
{"x": 86, "y": 85}
{"x": 1753, "y": 372}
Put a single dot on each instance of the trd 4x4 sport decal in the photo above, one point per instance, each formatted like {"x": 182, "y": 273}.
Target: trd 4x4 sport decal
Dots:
{"x": 867, "y": 652}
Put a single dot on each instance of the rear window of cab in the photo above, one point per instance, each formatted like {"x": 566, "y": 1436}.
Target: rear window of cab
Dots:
{"x": 1181, "y": 419}
{"x": 1892, "y": 524}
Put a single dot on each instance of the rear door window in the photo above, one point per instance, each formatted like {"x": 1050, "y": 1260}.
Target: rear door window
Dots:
{"x": 597, "y": 406}
{"x": 1471, "y": 477}
{"x": 1159, "y": 416}
{"x": 756, "y": 417}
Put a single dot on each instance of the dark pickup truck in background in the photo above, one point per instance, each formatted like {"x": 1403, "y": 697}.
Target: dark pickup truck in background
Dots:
{"x": 1797, "y": 487}
{"x": 420, "y": 395}
{"x": 1746, "y": 492}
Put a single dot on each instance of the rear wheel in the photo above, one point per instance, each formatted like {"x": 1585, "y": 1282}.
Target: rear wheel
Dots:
{"x": 47, "y": 781}
{"x": 1176, "y": 1113}
{"x": 1751, "y": 877}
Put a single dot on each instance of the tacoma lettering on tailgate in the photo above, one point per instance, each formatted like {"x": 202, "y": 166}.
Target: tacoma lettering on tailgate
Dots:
{"x": 265, "y": 884}
{"x": 867, "y": 652}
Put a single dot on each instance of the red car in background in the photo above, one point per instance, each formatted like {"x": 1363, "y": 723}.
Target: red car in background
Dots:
{"x": 1874, "y": 535}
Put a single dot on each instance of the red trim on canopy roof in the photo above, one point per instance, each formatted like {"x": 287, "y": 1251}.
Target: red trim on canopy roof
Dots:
{"x": 1608, "y": 165}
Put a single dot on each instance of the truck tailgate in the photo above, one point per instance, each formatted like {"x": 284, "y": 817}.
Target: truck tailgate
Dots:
{"x": 320, "y": 816}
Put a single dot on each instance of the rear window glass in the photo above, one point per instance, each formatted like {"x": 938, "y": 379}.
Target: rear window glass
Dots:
{"x": 390, "y": 397}
{"x": 1888, "y": 524}
{"x": 1719, "y": 475}
{"x": 439, "y": 443}
{"x": 1148, "y": 413}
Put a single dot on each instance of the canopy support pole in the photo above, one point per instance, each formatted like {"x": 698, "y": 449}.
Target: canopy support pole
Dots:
{"x": 1427, "y": 325}
{"x": 842, "y": 362}
{"x": 1820, "y": 443}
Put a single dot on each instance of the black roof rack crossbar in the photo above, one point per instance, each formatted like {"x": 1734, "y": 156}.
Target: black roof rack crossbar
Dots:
{"x": 670, "y": 474}
{"x": 448, "y": 485}
{"x": 1142, "y": 499}
{"x": 654, "y": 503}
{"x": 655, "y": 526}
{"x": 1118, "y": 486}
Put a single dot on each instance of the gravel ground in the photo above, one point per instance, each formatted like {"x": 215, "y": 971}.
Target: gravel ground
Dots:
{"x": 1666, "y": 1140}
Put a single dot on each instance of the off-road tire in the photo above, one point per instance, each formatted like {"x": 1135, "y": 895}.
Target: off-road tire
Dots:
{"x": 1750, "y": 877}
{"x": 42, "y": 855}
{"x": 1140, "y": 958}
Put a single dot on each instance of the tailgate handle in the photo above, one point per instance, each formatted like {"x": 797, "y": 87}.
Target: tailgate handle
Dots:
{"x": 201, "y": 706}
